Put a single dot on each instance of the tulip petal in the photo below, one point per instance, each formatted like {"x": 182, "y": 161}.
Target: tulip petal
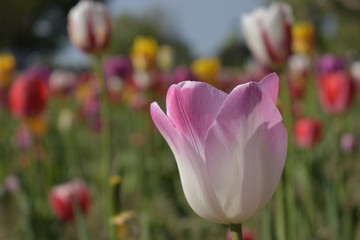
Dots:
{"x": 192, "y": 108}
{"x": 253, "y": 35}
{"x": 191, "y": 168}
{"x": 270, "y": 84}
{"x": 245, "y": 151}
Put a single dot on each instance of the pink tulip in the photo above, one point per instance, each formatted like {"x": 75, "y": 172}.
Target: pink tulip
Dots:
{"x": 230, "y": 148}
{"x": 267, "y": 32}
{"x": 89, "y": 26}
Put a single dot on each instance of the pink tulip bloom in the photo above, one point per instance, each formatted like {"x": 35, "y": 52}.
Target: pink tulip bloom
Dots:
{"x": 230, "y": 148}
{"x": 89, "y": 26}
{"x": 267, "y": 33}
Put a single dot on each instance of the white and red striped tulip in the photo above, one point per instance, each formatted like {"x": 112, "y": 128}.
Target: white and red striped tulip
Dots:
{"x": 267, "y": 33}
{"x": 230, "y": 148}
{"x": 89, "y": 26}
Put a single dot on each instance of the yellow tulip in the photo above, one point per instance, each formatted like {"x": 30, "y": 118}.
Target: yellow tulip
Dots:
{"x": 144, "y": 52}
{"x": 206, "y": 69}
{"x": 7, "y": 68}
{"x": 303, "y": 34}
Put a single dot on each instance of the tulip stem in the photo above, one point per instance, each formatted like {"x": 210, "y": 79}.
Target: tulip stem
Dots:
{"x": 236, "y": 231}
{"x": 106, "y": 144}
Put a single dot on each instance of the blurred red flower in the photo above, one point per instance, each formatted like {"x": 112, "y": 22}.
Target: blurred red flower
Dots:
{"x": 336, "y": 92}
{"x": 64, "y": 197}
{"x": 28, "y": 96}
{"x": 308, "y": 132}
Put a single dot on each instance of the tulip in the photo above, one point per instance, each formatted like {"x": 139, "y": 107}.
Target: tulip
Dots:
{"x": 7, "y": 69}
{"x": 303, "y": 34}
{"x": 355, "y": 72}
{"x": 165, "y": 58}
{"x": 348, "y": 142}
{"x": 28, "y": 96}
{"x": 61, "y": 81}
{"x": 144, "y": 52}
{"x": 267, "y": 33}
{"x": 308, "y": 132}
{"x": 206, "y": 69}
{"x": 329, "y": 64}
{"x": 336, "y": 92}
{"x": 298, "y": 68}
{"x": 182, "y": 73}
{"x": 230, "y": 149}
{"x": 64, "y": 197}
{"x": 89, "y": 26}
{"x": 12, "y": 184}
{"x": 23, "y": 138}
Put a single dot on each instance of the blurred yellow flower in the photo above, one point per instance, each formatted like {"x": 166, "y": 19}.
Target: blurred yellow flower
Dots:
{"x": 165, "y": 57}
{"x": 206, "y": 69}
{"x": 127, "y": 224}
{"x": 303, "y": 34}
{"x": 143, "y": 53}
{"x": 7, "y": 68}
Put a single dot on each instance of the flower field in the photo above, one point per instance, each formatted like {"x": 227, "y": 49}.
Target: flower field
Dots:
{"x": 142, "y": 145}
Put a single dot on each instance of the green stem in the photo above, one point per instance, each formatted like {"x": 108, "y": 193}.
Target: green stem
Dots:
{"x": 236, "y": 230}
{"x": 79, "y": 222}
{"x": 106, "y": 145}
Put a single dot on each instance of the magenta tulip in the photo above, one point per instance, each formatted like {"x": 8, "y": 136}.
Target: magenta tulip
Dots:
{"x": 230, "y": 148}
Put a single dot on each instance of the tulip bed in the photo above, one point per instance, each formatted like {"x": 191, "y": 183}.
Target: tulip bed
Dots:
{"x": 137, "y": 148}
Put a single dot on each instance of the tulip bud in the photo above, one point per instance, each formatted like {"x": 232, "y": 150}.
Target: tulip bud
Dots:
{"x": 308, "y": 132}
{"x": 12, "y": 184}
{"x": 64, "y": 197}
{"x": 28, "y": 96}
{"x": 336, "y": 92}
{"x": 165, "y": 58}
{"x": 23, "y": 138}
{"x": 267, "y": 33}
{"x": 89, "y": 26}
{"x": 230, "y": 148}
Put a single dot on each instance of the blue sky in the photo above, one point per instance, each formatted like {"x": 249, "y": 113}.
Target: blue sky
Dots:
{"x": 203, "y": 24}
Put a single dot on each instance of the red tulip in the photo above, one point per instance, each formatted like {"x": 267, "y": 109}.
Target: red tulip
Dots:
{"x": 28, "y": 96}
{"x": 308, "y": 132}
{"x": 336, "y": 92}
{"x": 64, "y": 197}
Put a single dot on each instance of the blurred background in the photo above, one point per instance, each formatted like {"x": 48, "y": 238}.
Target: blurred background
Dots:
{"x": 51, "y": 124}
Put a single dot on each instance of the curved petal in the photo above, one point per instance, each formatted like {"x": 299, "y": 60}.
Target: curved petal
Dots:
{"x": 191, "y": 168}
{"x": 245, "y": 151}
{"x": 270, "y": 84}
{"x": 192, "y": 107}
{"x": 253, "y": 35}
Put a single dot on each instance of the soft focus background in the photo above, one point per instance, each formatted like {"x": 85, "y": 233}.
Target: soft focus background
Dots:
{"x": 61, "y": 141}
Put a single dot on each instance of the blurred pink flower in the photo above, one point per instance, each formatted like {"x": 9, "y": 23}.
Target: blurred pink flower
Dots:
{"x": 267, "y": 33}
{"x": 11, "y": 183}
{"x": 348, "y": 142}
{"x": 230, "y": 148}
{"x": 89, "y": 26}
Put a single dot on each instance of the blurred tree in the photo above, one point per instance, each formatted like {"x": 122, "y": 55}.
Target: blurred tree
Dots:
{"x": 234, "y": 53}
{"x": 34, "y": 24}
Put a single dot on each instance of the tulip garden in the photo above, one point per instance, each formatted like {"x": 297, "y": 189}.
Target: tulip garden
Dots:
{"x": 138, "y": 147}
